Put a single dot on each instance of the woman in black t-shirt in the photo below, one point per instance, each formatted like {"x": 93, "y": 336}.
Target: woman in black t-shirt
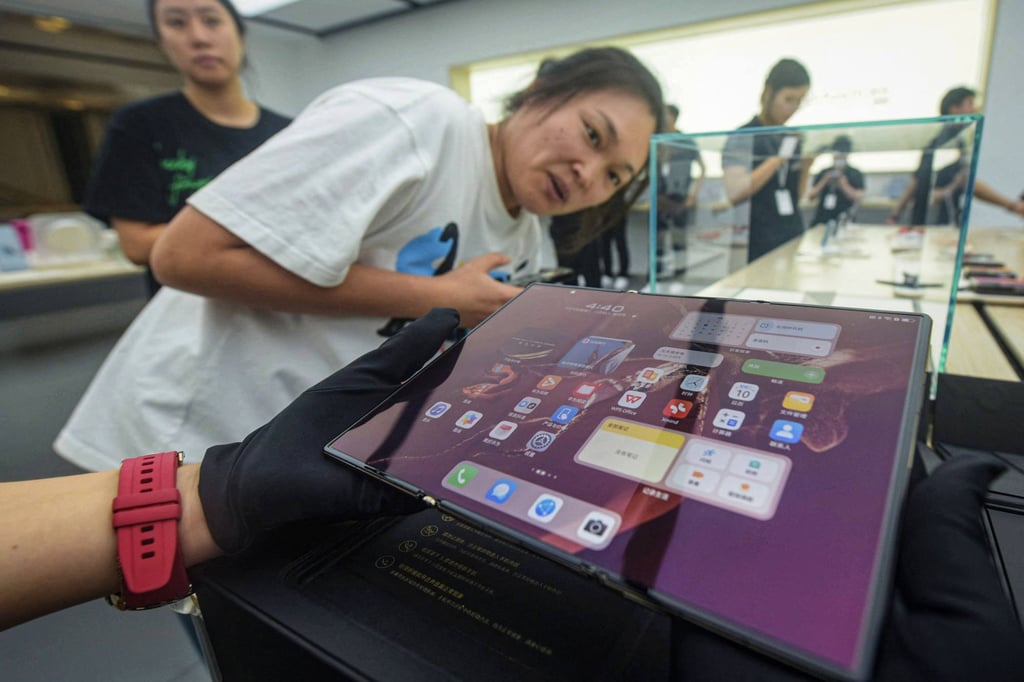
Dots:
{"x": 159, "y": 151}
{"x": 765, "y": 168}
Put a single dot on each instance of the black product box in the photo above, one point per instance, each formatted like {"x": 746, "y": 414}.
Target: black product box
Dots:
{"x": 425, "y": 597}
{"x": 972, "y": 415}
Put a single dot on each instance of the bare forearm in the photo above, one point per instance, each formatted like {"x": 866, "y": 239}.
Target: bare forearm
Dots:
{"x": 198, "y": 255}
{"x": 905, "y": 197}
{"x": 741, "y": 185}
{"x": 244, "y": 275}
{"x": 137, "y": 239}
{"x": 985, "y": 192}
{"x": 58, "y": 545}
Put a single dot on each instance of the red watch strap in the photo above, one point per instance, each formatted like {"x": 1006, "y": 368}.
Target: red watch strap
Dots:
{"x": 146, "y": 514}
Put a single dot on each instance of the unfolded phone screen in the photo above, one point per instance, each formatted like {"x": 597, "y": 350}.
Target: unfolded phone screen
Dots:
{"x": 738, "y": 462}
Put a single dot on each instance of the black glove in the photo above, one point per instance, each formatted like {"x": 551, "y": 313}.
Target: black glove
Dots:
{"x": 949, "y": 618}
{"x": 279, "y": 474}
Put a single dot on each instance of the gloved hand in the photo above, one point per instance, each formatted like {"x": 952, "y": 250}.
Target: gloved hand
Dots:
{"x": 279, "y": 474}
{"x": 949, "y": 618}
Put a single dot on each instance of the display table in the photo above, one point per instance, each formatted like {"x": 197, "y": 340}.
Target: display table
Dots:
{"x": 855, "y": 276}
{"x": 55, "y": 288}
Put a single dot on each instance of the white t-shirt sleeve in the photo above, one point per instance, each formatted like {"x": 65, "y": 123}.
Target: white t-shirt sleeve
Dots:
{"x": 306, "y": 198}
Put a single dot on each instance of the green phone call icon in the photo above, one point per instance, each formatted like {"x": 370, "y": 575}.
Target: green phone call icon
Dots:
{"x": 463, "y": 474}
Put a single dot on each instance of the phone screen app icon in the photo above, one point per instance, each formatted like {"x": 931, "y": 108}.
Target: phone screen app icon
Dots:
{"x": 798, "y": 401}
{"x": 677, "y": 409}
{"x": 741, "y": 390}
{"x": 527, "y": 405}
{"x": 545, "y": 508}
{"x": 597, "y": 528}
{"x": 649, "y": 376}
{"x": 694, "y": 382}
{"x": 729, "y": 419}
{"x": 462, "y": 475}
{"x": 549, "y": 382}
{"x": 541, "y": 441}
{"x": 786, "y": 431}
{"x": 501, "y": 491}
{"x": 503, "y": 430}
{"x": 565, "y": 414}
{"x": 632, "y": 399}
{"x": 585, "y": 391}
{"x": 468, "y": 419}
{"x": 438, "y": 409}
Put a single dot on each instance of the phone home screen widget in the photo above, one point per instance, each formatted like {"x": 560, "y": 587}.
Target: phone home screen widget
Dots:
{"x": 501, "y": 491}
{"x": 741, "y": 390}
{"x": 503, "y": 430}
{"x": 438, "y": 409}
{"x": 549, "y": 382}
{"x": 786, "y": 431}
{"x": 527, "y": 405}
{"x": 462, "y": 475}
{"x": 677, "y": 409}
{"x": 694, "y": 382}
{"x": 565, "y": 414}
{"x": 468, "y": 419}
{"x": 541, "y": 441}
{"x": 545, "y": 507}
{"x": 798, "y": 401}
{"x": 632, "y": 399}
{"x": 597, "y": 528}
{"x": 729, "y": 419}
{"x": 585, "y": 391}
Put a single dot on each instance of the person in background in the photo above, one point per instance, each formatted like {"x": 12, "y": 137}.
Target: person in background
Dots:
{"x": 383, "y": 199}
{"x": 839, "y": 187}
{"x": 584, "y": 258}
{"x": 949, "y": 619}
{"x": 948, "y": 194}
{"x": 677, "y": 196}
{"x": 958, "y": 101}
{"x": 766, "y": 169}
{"x": 615, "y": 274}
{"x": 158, "y": 151}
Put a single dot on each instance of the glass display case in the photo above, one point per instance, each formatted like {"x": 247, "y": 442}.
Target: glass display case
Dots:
{"x": 862, "y": 215}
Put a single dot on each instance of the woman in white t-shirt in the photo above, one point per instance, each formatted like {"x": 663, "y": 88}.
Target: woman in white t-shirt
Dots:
{"x": 383, "y": 199}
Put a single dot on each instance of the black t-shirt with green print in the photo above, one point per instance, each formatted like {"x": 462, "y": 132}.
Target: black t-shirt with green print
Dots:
{"x": 159, "y": 151}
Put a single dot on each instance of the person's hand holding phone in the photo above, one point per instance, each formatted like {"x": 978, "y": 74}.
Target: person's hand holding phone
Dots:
{"x": 949, "y": 619}
{"x": 279, "y": 474}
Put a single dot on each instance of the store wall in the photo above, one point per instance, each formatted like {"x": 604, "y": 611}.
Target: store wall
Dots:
{"x": 426, "y": 43}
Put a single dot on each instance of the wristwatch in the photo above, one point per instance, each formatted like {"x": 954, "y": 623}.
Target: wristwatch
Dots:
{"x": 146, "y": 514}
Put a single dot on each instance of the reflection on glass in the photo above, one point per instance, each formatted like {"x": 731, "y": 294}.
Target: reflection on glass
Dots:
{"x": 836, "y": 244}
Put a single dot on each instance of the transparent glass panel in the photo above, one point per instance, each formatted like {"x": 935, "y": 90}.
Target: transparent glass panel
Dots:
{"x": 812, "y": 214}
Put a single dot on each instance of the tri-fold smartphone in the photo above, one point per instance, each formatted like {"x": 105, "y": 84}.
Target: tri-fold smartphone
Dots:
{"x": 740, "y": 464}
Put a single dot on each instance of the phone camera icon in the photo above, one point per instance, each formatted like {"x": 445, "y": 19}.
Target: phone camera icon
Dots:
{"x": 597, "y": 528}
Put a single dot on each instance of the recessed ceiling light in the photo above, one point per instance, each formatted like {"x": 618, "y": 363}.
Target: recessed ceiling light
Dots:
{"x": 251, "y": 8}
